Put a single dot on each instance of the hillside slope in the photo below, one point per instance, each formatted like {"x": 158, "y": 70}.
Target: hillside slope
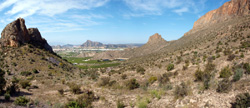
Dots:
{"x": 154, "y": 44}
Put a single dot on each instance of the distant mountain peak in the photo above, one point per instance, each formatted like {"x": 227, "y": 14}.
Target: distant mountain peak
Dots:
{"x": 90, "y": 44}
{"x": 228, "y": 10}
{"x": 155, "y": 39}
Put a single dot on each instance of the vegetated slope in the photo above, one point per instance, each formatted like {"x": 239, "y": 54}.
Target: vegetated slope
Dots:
{"x": 154, "y": 44}
{"x": 207, "y": 67}
{"x": 31, "y": 68}
{"x": 226, "y": 19}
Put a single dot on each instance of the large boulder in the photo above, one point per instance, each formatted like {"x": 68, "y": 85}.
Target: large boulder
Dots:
{"x": 16, "y": 34}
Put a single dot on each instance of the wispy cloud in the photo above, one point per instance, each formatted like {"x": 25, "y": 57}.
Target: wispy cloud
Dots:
{"x": 49, "y": 15}
{"x": 181, "y": 10}
{"x": 158, "y": 7}
{"x": 24, "y": 8}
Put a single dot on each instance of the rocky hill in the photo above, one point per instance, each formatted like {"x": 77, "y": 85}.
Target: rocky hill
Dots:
{"x": 28, "y": 59}
{"x": 227, "y": 11}
{"x": 16, "y": 34}
{"x": 154, "y": 44}
{"x": 209, "y": 67}
{"x": 92, "y": 44}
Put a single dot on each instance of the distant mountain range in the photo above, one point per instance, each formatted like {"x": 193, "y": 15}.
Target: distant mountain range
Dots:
{"x": 154, "y": 44}
{"x": 94, "y": 45}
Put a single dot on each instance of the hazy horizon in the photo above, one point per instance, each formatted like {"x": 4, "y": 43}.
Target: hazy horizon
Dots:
{"x": 107, "y": 21}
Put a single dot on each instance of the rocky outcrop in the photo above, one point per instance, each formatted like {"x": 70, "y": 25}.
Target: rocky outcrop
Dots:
{"x": 91, "y": 44}
{"x": 156, "y": 38}
{"x": 16, "y": 34}
{"x": 37, "y": 40}
{"x": 228, "y": 10}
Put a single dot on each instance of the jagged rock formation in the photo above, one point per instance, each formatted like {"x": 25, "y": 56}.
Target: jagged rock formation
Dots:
{"x": 228, "y": 10}
{"x": 16, "y": 34}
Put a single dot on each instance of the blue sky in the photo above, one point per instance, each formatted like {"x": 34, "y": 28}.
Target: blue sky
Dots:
{"x": 107, "y": 21}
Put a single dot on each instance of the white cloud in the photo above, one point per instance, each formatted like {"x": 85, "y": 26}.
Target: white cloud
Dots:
{"x": 158, "y": 7}
{"x": 52, "y": 15}
{"x": 24, "y": 8}
{"x": 181, "y": 10}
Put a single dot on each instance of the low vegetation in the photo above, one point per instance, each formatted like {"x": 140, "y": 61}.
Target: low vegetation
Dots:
{"x": 181, "y": 90}
{"x": 83, "y": 101}
{"x": 170, "y": 67}
{"x": 224, "y": 86}
{"x": 22, "y": 101}
{"x": 226, "y": 72}
{"x": 242, "y": 100}
{"x": 74, "y": 88}
{"x": 132, "y": 84}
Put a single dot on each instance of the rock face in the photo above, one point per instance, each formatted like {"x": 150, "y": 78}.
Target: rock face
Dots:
{"x": 156, "y": 38}
{"x": 16, "y": 34}
{"x": 228, "y": 10}
{"x": 91, "y": 44}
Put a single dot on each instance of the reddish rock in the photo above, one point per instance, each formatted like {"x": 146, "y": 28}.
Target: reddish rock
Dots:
{"x": 16, "y": 34}
{"x": 228, "y": 10}
{"x": 156, "y": 38}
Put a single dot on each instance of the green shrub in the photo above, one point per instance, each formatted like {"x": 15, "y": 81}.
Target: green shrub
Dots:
{"x": 104, "y": 81}
{"x": 156, "y": 93}
{"x": 21, "y": 100}
{"x": 92, "y": 73}
{"x": 2, "y": 80}
{"x": 164, "y": 79}
{"x": 120, "y": 104}
{"x": 25, "y": 83}
{"x": 227, "y": 52}
{"x": 170, "y": 67}
{"x": 246, "y": 66}
{"x": 12, "y": 89}
{"x": 35, "y": 71}
{"x": 198, "y": 75}
{"x": 7, "y": 96}
{"x": 83, "y": 101}
{"x": 124, "y": 76}
{"x": 86, "y": 99}
{"x": 152, "y": 79}
{"x": 245, "y": 44}
{"x": 140, "y": 70}
{"x": 142, "y": 102}
{"x": 224, "y": 86}
{"x": 225, "y": 72}
{"x": 25, "y": 73}
{"x": 238, "y": 74}
{"x": 132, "y": 84}
{"x": 231, "y": 57}
{"x": 74, "y": 88}
{"x": 209, "y": 67}
{"x": 72, "y": 104}
{"x": 181, "y": 90}
{"x": 242, "y": 101}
